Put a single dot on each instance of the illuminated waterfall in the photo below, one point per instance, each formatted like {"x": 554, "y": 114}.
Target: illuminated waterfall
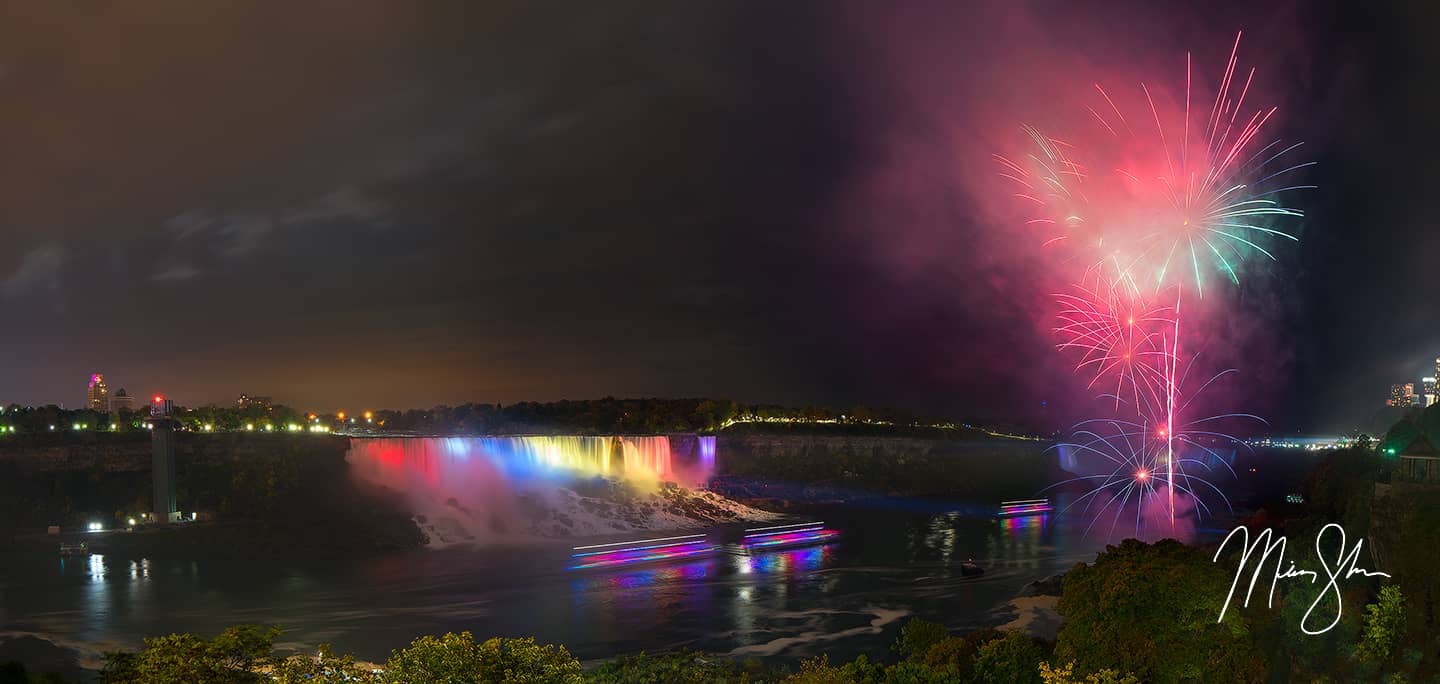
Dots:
{"x": 479, "y": 482}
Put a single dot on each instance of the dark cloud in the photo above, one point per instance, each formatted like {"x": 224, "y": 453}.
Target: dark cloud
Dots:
{"x": 393, "y": 203}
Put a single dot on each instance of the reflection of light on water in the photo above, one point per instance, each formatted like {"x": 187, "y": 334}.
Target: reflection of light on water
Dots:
{"x": 1019, "y": 540}
{"x": 96, "y": 567}
{"x": 140, "y": 570}
{"x": 790, "y": 561}
{"x": 940, "y": 534}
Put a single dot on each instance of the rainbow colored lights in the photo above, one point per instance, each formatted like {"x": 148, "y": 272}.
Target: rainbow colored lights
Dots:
{"x": 787, "y": 535}
{"x": 1025, "y": 507}
{"x": 641, "y": 551}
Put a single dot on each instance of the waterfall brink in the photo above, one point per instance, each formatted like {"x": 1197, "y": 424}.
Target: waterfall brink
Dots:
{"x": 484, "y": 488}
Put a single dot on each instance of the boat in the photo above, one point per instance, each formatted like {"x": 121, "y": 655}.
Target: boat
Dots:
{"x": 1025, "y": 507}
{"x": 970, "y": 569}
{"x": 74, "y": 549}
{"x": 775, "y": 536}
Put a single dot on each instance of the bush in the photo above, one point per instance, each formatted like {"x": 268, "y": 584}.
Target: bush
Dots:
{"x": 232, "y": 657}
{"x": 458, "y": 659}
{"x": 680, "y": 667}
{"x": 1015, "y": 657}
{"x": 917, "y": 636}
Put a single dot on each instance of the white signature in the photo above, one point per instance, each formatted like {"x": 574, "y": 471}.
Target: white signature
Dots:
{"x": 1332, "y": 589}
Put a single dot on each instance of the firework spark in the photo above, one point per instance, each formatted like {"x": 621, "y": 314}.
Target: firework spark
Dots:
{"x": 1164, "y": 191}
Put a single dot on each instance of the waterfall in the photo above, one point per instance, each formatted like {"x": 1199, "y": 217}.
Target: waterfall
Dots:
{"x": 482, "y": 487}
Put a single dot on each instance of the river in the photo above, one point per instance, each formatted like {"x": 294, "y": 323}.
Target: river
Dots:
{"x": 895, "y": 558}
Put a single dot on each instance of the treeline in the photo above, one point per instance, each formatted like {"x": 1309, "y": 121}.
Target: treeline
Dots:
{"x": 587, "y": 416}
{"x": 623, "y": 416}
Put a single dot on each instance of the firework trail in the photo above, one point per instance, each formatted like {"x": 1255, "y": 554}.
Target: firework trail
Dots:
{"x": 1155, "y": 203}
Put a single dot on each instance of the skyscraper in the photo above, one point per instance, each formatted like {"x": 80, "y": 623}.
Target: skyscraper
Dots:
{"x": 121, "y": 401}
{"x": 1402, "y": 395}
{"x": 97, "y": 398}
{"x": 1427, "y": 391}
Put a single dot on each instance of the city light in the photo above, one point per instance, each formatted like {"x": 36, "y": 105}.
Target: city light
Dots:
{"x": 130, "y": 522}
{"x": 95, "y": 527}
{"x": 249, "y": 426}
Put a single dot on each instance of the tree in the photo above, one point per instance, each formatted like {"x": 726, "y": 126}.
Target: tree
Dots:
{"x": 917, "y": 636}
{"x": 679, "y": 667}
{"x": 1384, "y": 627}
{"x": 232, "y": 657}
{"x": 324, "y": 667}
{"x": 1015, "y": 657}
{"x": 458, "y": 659}
{"x": 1066, "y": 675}
{"x": 1152, "y": 610}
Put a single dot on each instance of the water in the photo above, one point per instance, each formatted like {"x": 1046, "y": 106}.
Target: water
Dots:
{"x": 896, "y": 558}
{"x": 844, "y": 598}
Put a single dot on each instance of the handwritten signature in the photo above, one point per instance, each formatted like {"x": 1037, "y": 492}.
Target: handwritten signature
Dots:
{"x": 1346, "y": 566}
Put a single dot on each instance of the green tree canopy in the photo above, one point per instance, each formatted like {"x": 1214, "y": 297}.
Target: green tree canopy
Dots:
{"x": 1152, "y": 610}
{"x": 459, "y": 659}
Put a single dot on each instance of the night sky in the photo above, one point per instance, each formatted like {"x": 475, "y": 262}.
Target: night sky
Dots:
{"x": 355, "y": 204}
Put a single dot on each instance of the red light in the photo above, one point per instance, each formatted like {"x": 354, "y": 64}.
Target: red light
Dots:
{"x": 159, "y": 398}
{"x": 1142, "y": 475}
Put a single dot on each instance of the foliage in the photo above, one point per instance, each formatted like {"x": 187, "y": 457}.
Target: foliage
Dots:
{"x": 917, "y": 636}
{"x": 1152, "y": 610}
{"x": 1066, "y": 675}
{"x": 458, "y": 659}
{"x": 232, "y": 657}
{"x": 14, "y": 673}
{"x": 958, "y": 653}
{"x": 1384, "y": 627}
{"x": 1014, "y": 657}
{"x": 325, "y": 666}
{"x": 681, "y": 667}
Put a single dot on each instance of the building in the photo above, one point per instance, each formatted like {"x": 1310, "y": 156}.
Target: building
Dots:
{"x": 121, "y": 401}
{"x": 1402, "y": 395}
{"x": 1419, "y": 461}
{"x": 97, "y": 398}
{"x": 247, "y": 401}
{"x": 1428, "y": 394}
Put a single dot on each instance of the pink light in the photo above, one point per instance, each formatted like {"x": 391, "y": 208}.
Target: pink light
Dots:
{"x": 791, "y": 538}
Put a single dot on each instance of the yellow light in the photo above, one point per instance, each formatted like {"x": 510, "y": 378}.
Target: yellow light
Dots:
{"x": 368, "y": 415}
{"x": 340, "y": 415}
{"x": 249, "y": 426}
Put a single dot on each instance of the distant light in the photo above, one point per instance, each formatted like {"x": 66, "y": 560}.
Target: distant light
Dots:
{"x": 249, "y": 426}
{"x": 76, "y": 426}
{"x": 95, "y": 527}
{"x": 368, "y": 415}
{"x": 159, "y": 398}
{"x": 208, "y": 427}
{"x": 1142, "y": 475}
{"x": 114, "y": 426}
{"x": 192, "y": 515}
{"x": 340, "y": 415}
{"x": 130, "y": 521}
{"x": 52, "y": 427}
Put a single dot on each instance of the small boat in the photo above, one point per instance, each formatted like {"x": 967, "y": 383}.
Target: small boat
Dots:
{"x": 1025, "y": 507}
{"x": 74, "y": 549}
{"x": 970, "y": 569}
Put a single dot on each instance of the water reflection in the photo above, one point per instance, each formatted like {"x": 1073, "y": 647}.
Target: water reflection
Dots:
{"x": 1019, "y": 541}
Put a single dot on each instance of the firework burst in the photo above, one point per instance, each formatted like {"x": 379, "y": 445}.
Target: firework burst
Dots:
{"x": 1162, "y": 196}
{"x": 1165, "y": 195}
